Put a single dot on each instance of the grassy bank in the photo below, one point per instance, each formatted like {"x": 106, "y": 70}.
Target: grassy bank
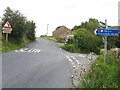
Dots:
{"x": 8, "y": 46}
{"x": 71, "y": 48}
{"x": 76, "y": 48}
{"x": 103, "y": 75}
{"x": 49, "y": 38}
{"x": 0, "y": 46}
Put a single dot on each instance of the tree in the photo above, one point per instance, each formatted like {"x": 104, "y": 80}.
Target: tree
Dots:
{"x": 91, "y": 25}
{"x": 20, "y": 26}
{"x": 17, "y": 20}
{"x": 30, "y": 30}
{"x": 76, "y": 27}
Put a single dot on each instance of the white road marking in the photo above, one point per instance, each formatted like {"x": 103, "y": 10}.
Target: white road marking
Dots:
{"x": 69, "y": 59}
{"x": 82, "y": 56}
{"x": 16, "y": 50}
{"x": 37, "y": 51}
{"x": 28, "y": 50}
{"x": 77, "y": 62}
{"x": 60, "y": 49}
{"x": 89, "y": 61}
{"x": 25, "y": 48}
{"x": 74, "y": 66}
{"x": 73, "y": 57}
{"x": 22, "y": 50}
{"x": 72, "y": 63}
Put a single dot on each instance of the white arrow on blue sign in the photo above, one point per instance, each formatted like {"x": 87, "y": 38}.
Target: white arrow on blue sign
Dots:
{"x": 106, "y": 32}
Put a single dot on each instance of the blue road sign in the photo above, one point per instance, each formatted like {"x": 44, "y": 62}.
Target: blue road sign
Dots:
{"x": 77, "y": 41}
{"x": 106, "y": 32}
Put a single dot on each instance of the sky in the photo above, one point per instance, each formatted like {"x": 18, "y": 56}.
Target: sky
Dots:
{"x": 63, "y": 12}
{"x": 119, "y": 13}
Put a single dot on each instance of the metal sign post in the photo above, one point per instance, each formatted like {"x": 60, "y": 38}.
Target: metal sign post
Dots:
{"x": 6, "y": 37}
{"x": 105, "y": 43}
{"x": 105, "y": 48}
{"x": 7, "y": 31}
{"x": 105, "y": 32}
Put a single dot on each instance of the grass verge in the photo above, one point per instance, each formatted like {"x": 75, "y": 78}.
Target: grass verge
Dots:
{"x": 0, "y": 46}
{"x": 49, "y": 38}
{"x": 71, "y": 48}
{"x": 103, "y": 75}
{"x": 8, "y": 46}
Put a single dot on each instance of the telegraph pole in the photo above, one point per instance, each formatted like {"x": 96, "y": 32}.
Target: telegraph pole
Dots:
{"x": 105, "y": 43}
{"x": 47, "y": 29}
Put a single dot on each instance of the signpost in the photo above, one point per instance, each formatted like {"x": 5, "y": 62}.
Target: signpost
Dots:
{"x": 103, "y": 25}
{"x": 7, "y": 28}
{"x": 105, "y": 43}
{"x": 105, "y": 32}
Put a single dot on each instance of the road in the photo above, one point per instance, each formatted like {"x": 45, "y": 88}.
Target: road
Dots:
{"x": 41, "y": 64}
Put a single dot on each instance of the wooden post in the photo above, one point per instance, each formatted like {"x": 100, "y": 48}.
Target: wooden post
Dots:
{"x": 6, "y": 37}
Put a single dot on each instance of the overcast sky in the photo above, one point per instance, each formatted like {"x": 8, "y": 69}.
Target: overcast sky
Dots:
{"x": 63, "y": 12}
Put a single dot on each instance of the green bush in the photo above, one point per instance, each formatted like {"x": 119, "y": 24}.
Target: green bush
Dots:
{"x": 60, "y": 39}
{"x": 71, "y": 48}
{"x": 87, "y": 42}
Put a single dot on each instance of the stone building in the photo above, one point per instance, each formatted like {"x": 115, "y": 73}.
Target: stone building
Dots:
{"x": 61, "y": 32}
{"x": 115, "y": 27}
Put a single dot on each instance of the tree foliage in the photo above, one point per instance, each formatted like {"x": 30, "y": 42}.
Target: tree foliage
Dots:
{"x": 21, "y": 27}
{"x": 87, "y": 42}
{"x": 30, "y": 32}
{"x": 90, "y": 25}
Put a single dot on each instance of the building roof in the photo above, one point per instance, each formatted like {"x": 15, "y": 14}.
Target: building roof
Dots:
{"x": 62, "y": 27}
{"x": 114, "y": 27}
{"x": 65, "y": 28}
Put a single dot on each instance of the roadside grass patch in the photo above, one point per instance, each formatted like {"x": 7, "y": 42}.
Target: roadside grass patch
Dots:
{"x": 71, "y": 48}
{"x": 49, "y": 38}
{"x": 12, "y": 45}
{"x": 0, "y": 46}
{"x": 103, "y": 75}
